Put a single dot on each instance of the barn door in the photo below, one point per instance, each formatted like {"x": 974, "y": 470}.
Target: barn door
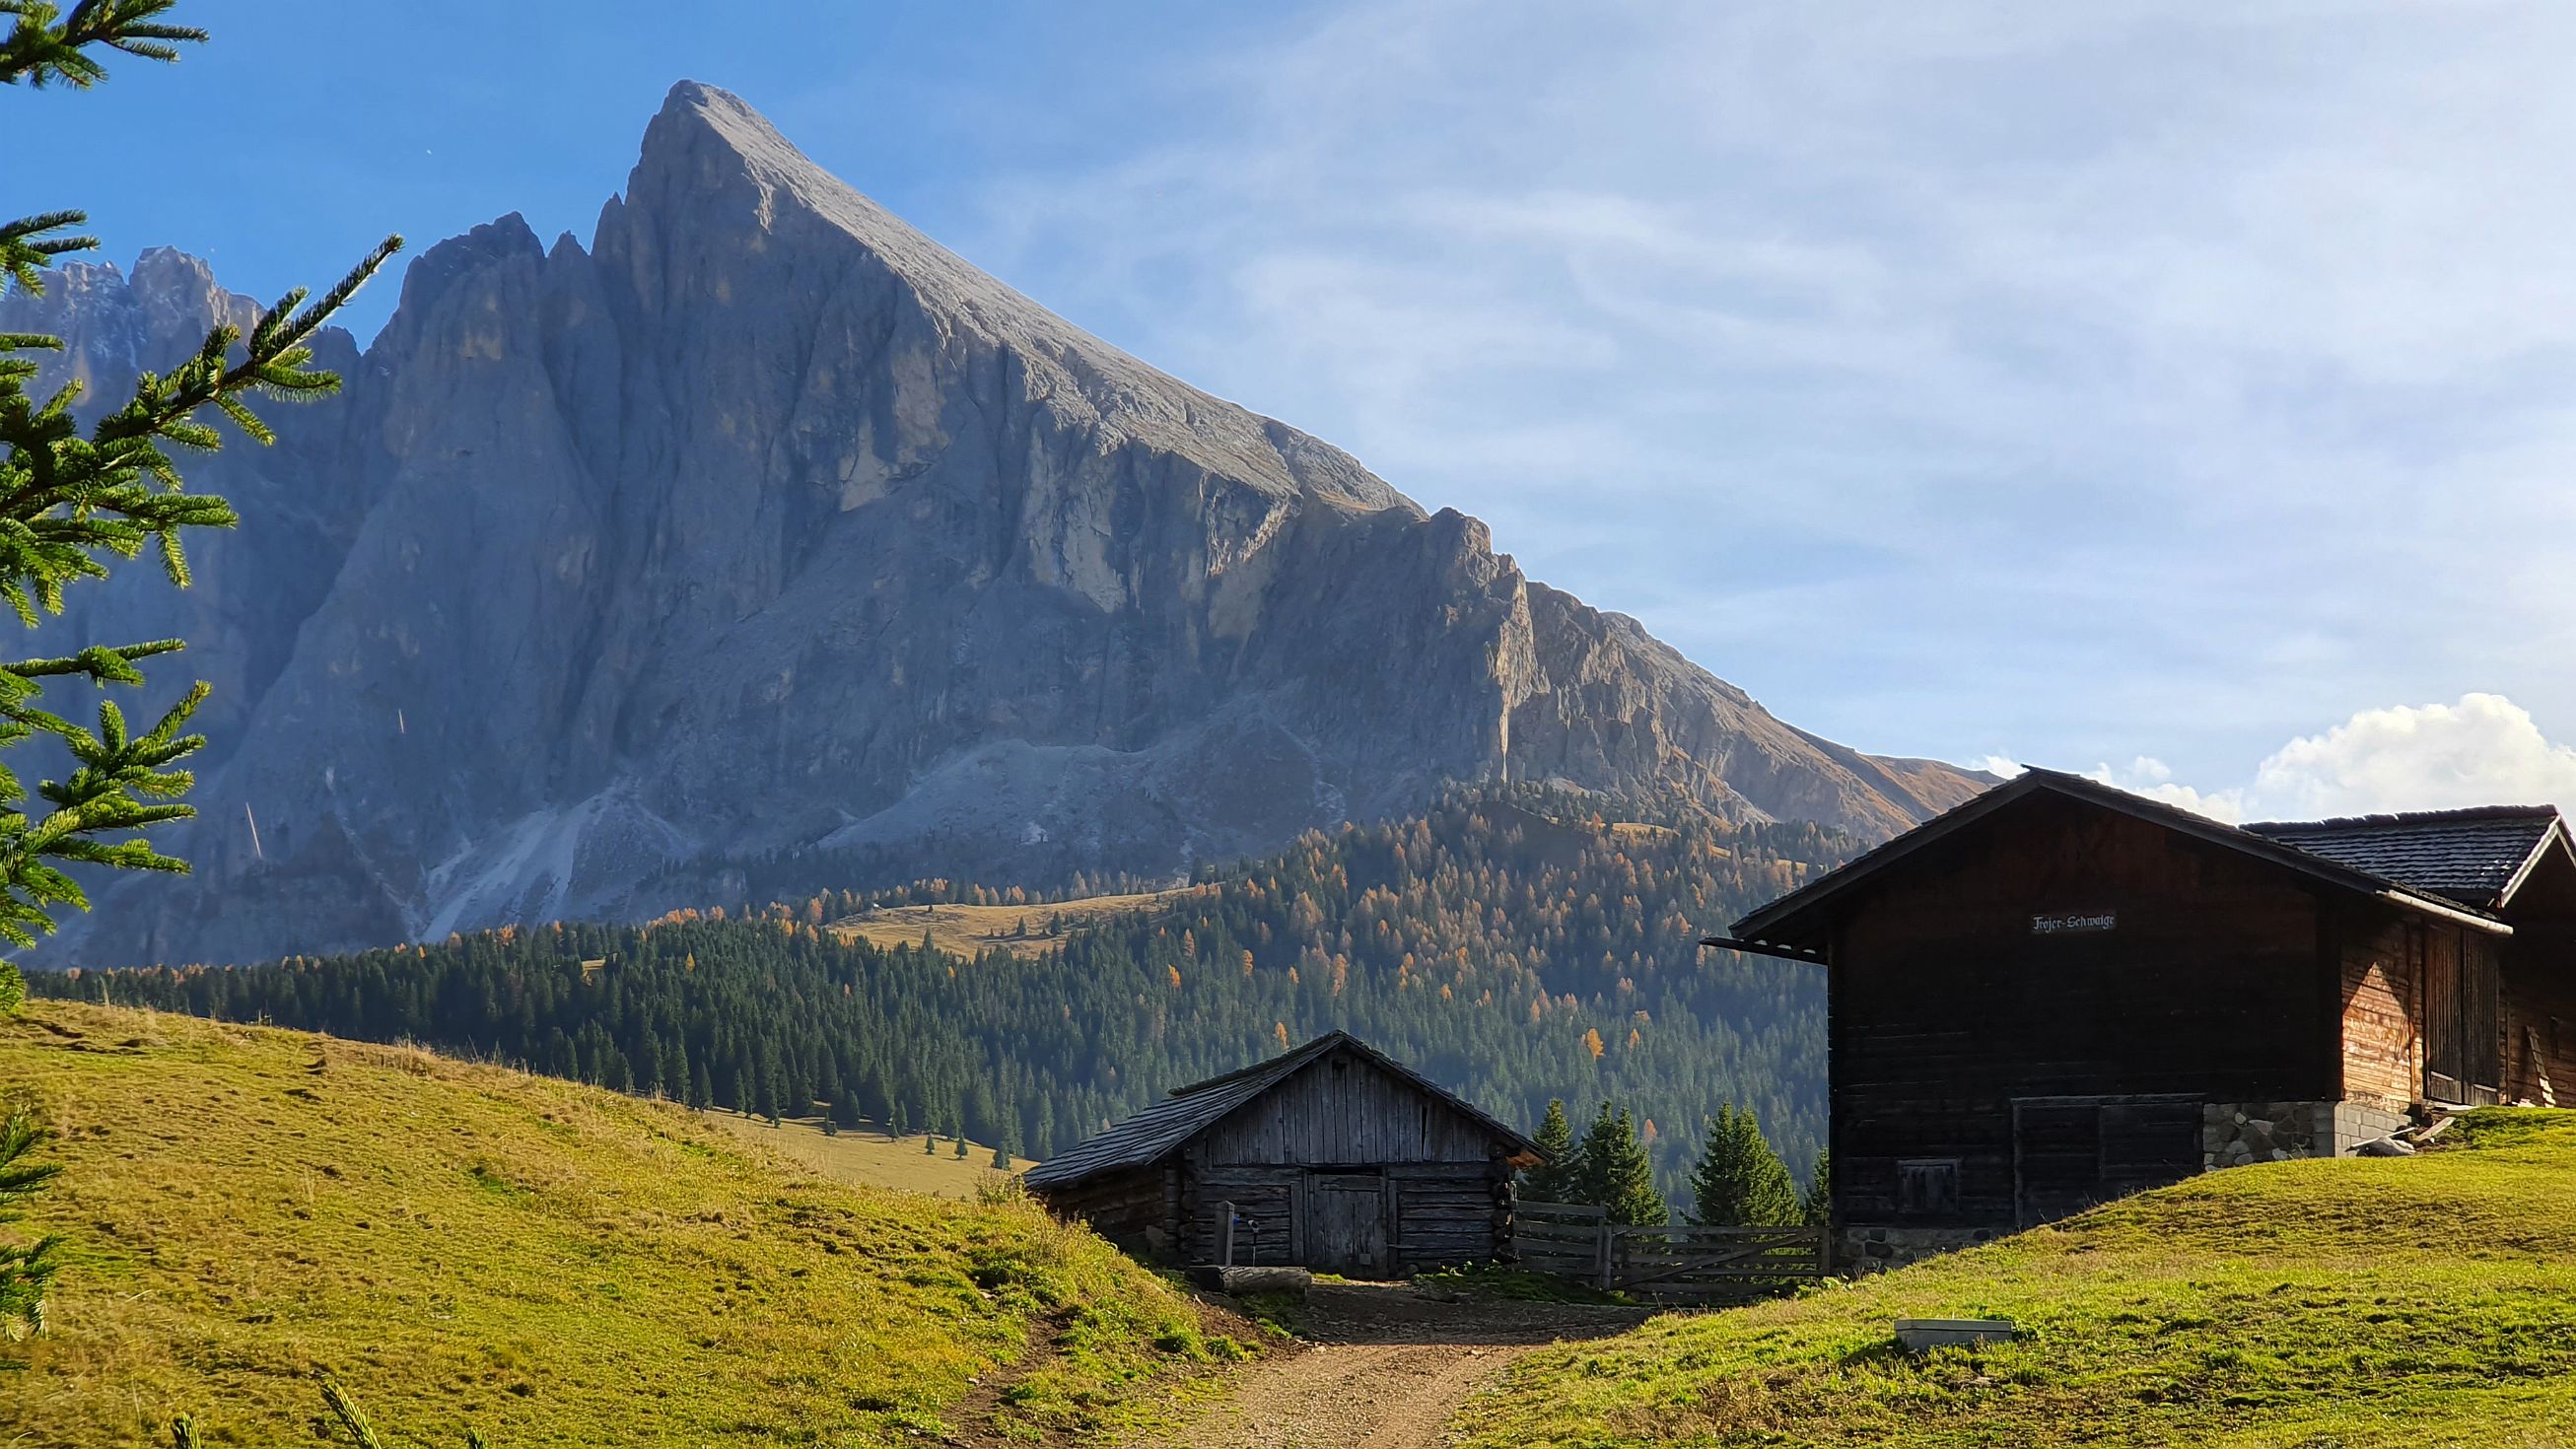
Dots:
{"x": 2481, "y": 1034}
{"x": 1346, "y": 1224}
{"x": 2445, "y": 1033}
{"x": 2072, "y": 1152}
{"x": 2057, "y": 1159}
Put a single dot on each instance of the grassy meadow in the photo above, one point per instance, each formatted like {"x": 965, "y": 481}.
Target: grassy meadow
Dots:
{"x": 970, "y": 931}
{"x": 869, "y": 1157}
{"x": 548, "y": 1263}
{"x": 2337, "y": 1304}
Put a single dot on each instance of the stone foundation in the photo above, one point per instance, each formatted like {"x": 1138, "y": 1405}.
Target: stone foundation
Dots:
{"x": 2233, "y": 1134}
{"x": 1862, "y": 1249}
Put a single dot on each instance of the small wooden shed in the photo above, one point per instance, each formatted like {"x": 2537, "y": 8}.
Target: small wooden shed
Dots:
{"x": 1333, "y": 1156}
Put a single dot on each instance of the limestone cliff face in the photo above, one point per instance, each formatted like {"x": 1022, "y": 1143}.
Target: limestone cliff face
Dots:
{"x": 764, "y": 524}
{"x": 254, "y": 585}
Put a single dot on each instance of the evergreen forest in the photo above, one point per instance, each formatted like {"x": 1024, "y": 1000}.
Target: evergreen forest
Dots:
{"x": 1511, "y": 943}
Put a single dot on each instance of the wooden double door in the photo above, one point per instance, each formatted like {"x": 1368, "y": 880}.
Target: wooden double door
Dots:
{"x": 2461, "y": 1003}
{"x": 2072, "y": 1152}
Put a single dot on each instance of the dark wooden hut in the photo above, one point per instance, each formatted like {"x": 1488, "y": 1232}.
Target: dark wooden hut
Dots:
{"x": 1333, "y": 1156}
{"x": 2061, "y": 992}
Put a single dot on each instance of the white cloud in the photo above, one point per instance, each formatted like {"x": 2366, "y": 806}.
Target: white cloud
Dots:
{"x": 2483, "y": 750}
{"x": 2080, "y": 372}
{"x": 2154, "y": 779}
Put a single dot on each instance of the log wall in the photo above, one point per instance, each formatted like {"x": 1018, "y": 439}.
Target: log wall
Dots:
{"x": 2382, "y": 1051}
{"x": 2084, "y": 973}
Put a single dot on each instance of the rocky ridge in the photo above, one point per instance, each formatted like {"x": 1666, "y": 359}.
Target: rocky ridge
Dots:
{"x": 763, "y": 524}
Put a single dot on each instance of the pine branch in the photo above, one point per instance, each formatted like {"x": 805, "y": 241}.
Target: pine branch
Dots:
{"x": 45, "y": 45}
{"x": 26, "y": 1269}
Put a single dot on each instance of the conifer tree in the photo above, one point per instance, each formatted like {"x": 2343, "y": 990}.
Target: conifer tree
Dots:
{"x": 75, "y": 500}
{"x": 1616, "y": 1173}
{"x": 675, "y": 1072}
{"x": 1002, "y": 1156}
{"x": 1740, "y": 1182}
{"x": 1550, "y": 1180}
{"x": 26, "y": 1268}
{"x": 1817, "y": 1207}
{"x": 961, "y": 1146}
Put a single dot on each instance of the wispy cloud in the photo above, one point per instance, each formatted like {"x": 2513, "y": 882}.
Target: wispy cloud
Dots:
{"x": 2111, "y": 379}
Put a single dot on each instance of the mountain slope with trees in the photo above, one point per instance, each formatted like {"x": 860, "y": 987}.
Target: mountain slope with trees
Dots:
{"x": 1512, "y": 944}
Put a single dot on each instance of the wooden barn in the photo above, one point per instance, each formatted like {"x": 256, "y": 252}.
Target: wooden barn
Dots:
{"x": 2061, "y": 992}
{"x": 1334, "y": 1157}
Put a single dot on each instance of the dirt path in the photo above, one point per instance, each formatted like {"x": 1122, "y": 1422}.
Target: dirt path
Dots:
{"x": 1388, "y": 1368}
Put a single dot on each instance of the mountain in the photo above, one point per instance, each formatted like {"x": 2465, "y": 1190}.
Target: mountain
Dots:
{"x": 764, "y": 525}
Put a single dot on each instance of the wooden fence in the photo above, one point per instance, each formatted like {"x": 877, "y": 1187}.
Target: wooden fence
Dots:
{"x": 1677, "y": 1264}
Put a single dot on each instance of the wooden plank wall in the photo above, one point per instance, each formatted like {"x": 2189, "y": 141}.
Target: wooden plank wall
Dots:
{"x": 1439, "y": 1178}
{"x": 2382, "y": 1049}
{"x": 1947, "y": 1006}
{"x": 1270, "y": 1199}
{"x": 1120, "y": 1206}
{"x": 2539, "y": 1026}
{"x": 1344, "y": 1111}
{"x": 1445, "y": 1189}
{"x": 1449, "y": 1214}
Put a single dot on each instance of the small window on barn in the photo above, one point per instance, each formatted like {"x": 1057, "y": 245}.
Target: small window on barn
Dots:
{"x": 1927, "y": 1186}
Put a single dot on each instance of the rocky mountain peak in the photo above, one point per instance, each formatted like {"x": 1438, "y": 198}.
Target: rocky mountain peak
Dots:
{"x": 767, "y": 529}
{"x": 715, "y": 178}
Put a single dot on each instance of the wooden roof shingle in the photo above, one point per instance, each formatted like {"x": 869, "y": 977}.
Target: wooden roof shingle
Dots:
{"x": 2475, "y": 857}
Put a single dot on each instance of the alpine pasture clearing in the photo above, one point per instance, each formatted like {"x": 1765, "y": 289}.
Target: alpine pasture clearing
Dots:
{"x": 545, "y": 1262}
{"x": 2328, "y": 1304}
{"x": 868, "y": 1157}
{"x": 970, "y": 931}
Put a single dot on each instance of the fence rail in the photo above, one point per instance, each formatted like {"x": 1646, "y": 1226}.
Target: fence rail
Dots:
{"x": 1679, "y": 1263}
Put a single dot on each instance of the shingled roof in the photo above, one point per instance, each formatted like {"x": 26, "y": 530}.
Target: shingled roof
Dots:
{"x": 2476, "y": 857}
{"x": 1168, "y": 1125}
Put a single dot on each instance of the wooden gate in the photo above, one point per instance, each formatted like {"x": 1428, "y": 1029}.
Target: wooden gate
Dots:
{"x": 1680, "y": 1264}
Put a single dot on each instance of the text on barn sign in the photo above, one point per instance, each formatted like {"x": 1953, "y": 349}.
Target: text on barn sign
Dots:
{"x": 2059, "y": 925}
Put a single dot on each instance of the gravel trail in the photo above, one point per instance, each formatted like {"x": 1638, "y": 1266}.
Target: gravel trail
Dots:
{"x": 1388, "y": 1367}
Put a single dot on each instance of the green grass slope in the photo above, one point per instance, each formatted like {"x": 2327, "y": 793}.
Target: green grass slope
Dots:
{"x": 2305, "y": 1305}
{"x": 546, "y": 1262}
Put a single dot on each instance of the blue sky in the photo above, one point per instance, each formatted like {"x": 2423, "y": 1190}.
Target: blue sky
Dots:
{"x": 2178, "y": 391}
